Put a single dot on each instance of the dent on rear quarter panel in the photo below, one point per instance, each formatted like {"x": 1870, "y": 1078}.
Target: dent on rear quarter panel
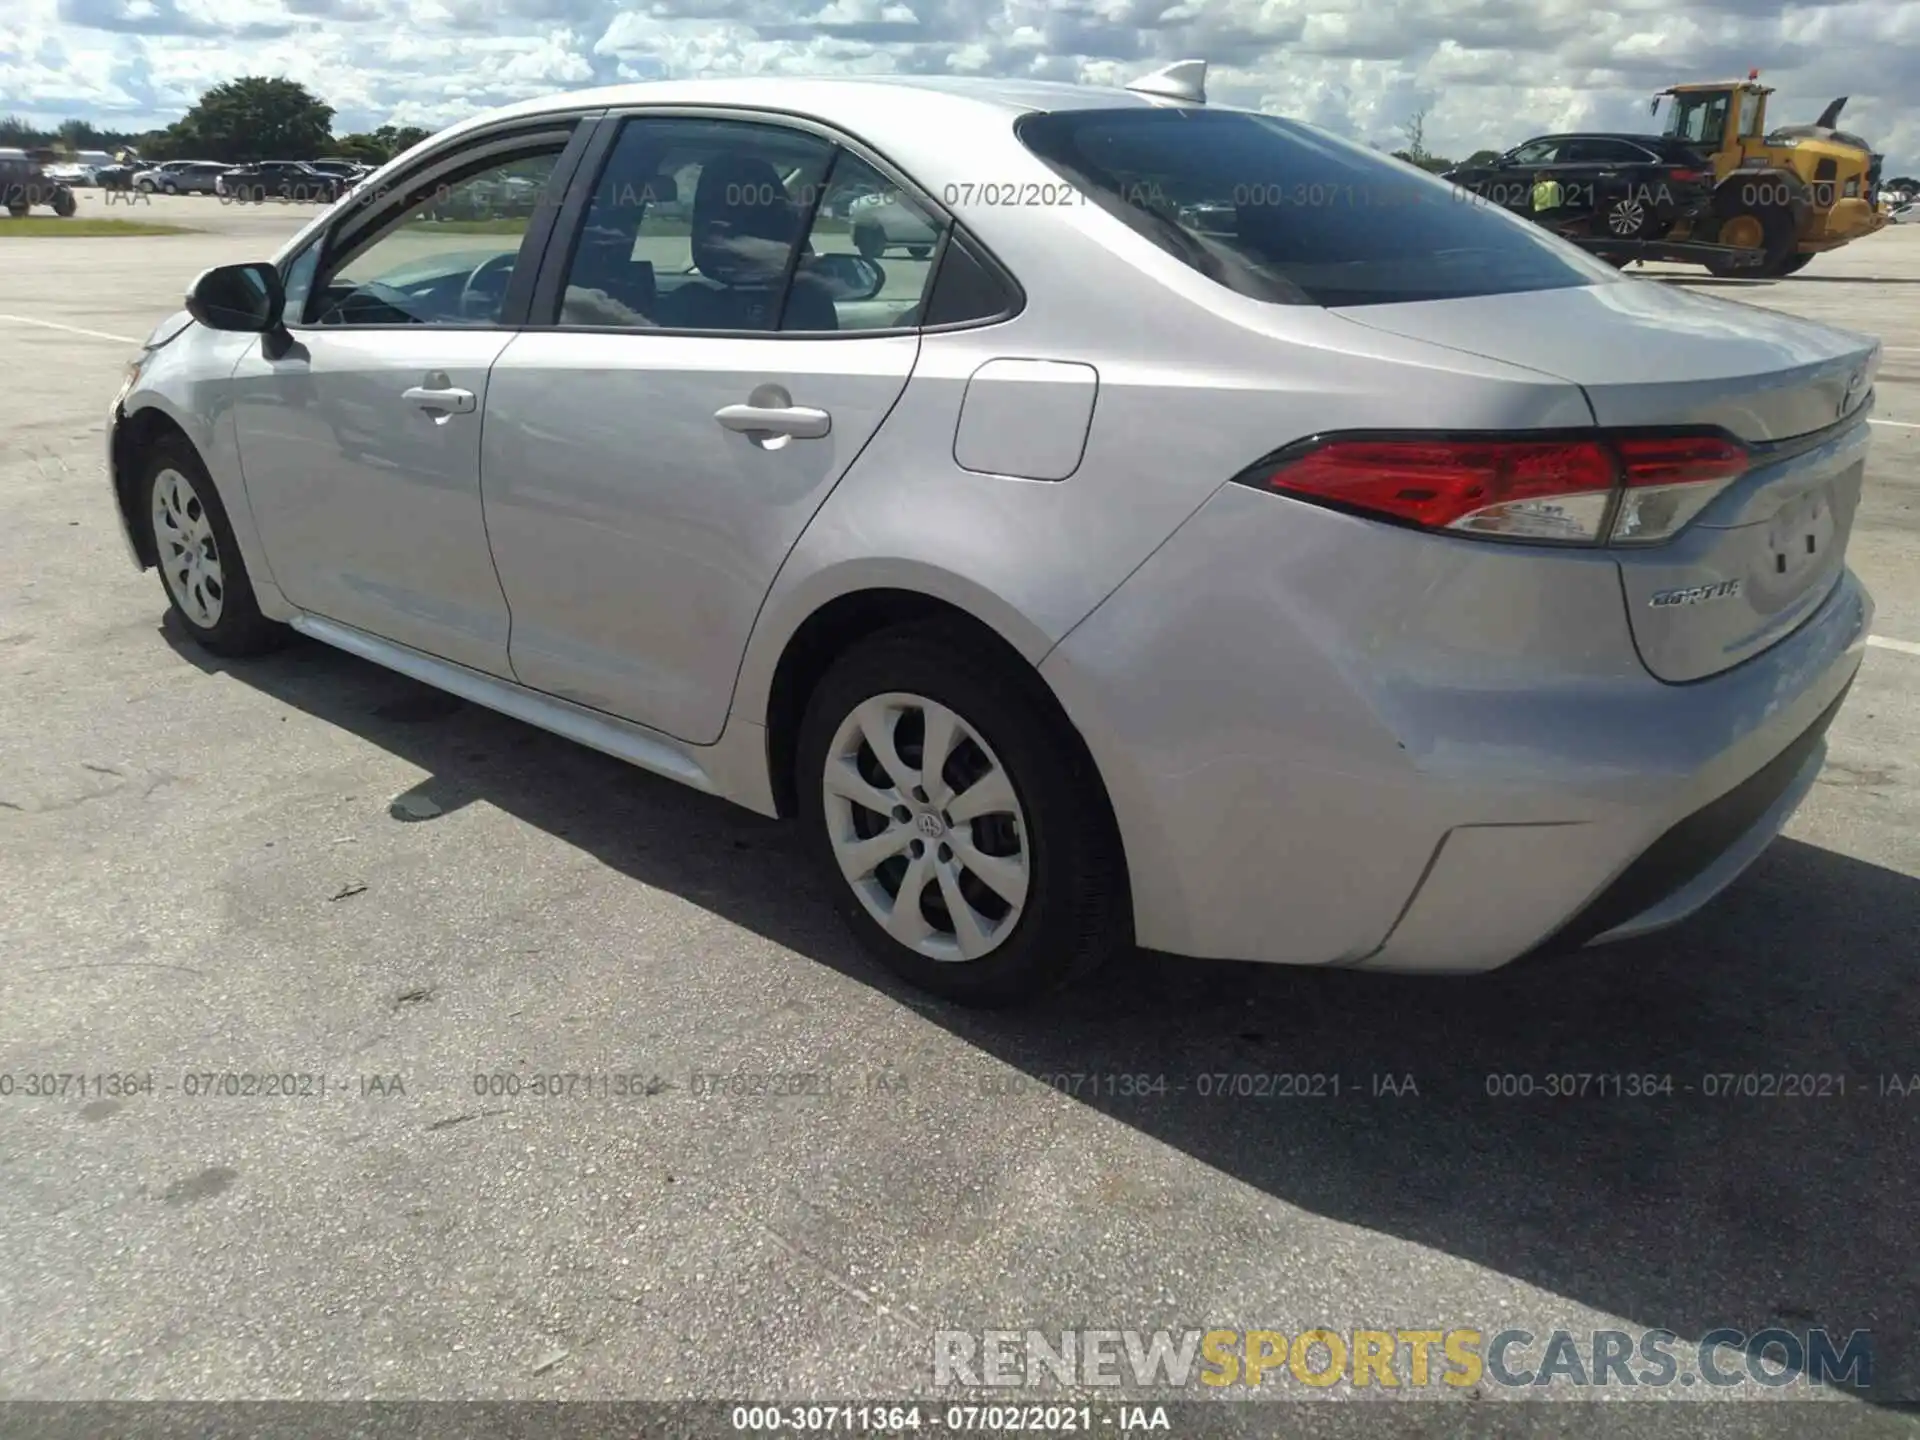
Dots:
{"x": 1292, "y": 707}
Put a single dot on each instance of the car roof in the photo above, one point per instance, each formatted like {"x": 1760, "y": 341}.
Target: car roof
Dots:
{"x": 850, "y": 101}
{"x": 1626, "y": 135}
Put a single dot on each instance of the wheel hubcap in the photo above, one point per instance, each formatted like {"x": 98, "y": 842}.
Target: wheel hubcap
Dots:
{"x": 189, "y": 555}
{"x": 926, "y": 827}
{"x": 1627, "y": 217}
{"x": 1743, "y": 232}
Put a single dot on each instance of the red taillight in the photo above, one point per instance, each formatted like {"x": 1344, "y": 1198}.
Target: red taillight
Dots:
{"x": 1518, "y": 489}
{"x": 1689, "y": 177}
{"x": 1669, "y": 479}
{"x": 1677, "y": 459}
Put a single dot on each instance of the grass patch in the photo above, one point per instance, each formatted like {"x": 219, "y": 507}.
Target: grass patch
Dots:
{"x": 77, "y": 228}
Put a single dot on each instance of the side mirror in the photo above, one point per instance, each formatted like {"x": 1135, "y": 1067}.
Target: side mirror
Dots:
{"x": 848, "y": 277}
{"x": 247, "y": 298}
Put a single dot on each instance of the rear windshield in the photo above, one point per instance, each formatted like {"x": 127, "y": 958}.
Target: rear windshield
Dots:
{"x": 1282, "y": 212}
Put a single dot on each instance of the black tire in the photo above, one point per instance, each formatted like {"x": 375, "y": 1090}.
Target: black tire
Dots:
{"x": 239, "y": 629}
{"x": 1776, "y": 244}
{"x": 870, "y": 241}
{"x": 1076, "y": 912}
{"x": 16, "y": 209}
{"x": 64, "y": 204}
{"x": 170, "y": 188}
{"x": 1794, "y": 264}
{"x": 919, "y": 252}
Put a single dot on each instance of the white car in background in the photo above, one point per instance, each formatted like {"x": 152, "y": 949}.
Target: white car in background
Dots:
{"x": 879, "y": 223}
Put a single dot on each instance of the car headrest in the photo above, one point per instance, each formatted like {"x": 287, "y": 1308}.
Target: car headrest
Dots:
{"x": 743, "y": 221}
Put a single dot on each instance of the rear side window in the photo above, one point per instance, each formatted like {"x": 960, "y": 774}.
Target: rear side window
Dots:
{"x": 968, "y": 288}
{"x": 1281, "y": 212}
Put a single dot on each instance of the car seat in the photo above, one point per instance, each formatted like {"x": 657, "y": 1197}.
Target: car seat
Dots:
{"x": 744, "y": 228}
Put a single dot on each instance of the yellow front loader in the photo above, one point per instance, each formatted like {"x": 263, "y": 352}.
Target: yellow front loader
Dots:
{"x": 1791, "y": 193}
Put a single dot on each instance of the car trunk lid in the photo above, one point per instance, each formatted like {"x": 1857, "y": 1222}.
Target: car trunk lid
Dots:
{"x": 1759, "y": 559}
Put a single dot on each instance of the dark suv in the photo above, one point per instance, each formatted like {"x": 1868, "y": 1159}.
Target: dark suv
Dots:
{"x": 280, "y": 180}
{"x": 1633, "y": 187}
{"x": 24, "y": 184}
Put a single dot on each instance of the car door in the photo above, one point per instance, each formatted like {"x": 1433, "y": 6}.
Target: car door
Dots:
{"x": 1587, "y": 169}
{"x": 1627, "y": 187}
{"x": 1511, "y": 185}
{"x": 360, "y": 440}
{"x": 653, "y": 452}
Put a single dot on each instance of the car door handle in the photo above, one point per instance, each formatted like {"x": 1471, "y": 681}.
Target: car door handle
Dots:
{"x": 764, "y": 422}
{"x": 452, "y": 401}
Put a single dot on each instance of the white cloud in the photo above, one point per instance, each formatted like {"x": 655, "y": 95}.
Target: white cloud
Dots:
{"x": 1487, "y": 72}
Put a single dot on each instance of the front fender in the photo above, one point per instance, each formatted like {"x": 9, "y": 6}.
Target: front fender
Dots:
{"x": 183, "y": 386}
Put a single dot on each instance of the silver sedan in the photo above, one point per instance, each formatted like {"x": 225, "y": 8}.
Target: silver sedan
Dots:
{"x": 1208, "y": 534}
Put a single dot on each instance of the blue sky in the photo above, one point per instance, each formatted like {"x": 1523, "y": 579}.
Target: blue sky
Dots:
{"x": 1488, "y": 72}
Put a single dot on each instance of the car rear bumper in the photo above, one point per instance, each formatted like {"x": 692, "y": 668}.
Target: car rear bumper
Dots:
{"x": 1332, "y": 742}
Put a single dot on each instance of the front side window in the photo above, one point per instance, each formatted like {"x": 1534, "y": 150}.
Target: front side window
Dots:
{"x": 694, "y": 225}
{"x": 444, "y": 259}
{"x": 1536, "y": 152}
{"x": 1281, "y": 212}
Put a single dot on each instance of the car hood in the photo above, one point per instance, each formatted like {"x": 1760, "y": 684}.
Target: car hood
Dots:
{"x": 1648, "y": 353}
{"x": 167, "y": 330}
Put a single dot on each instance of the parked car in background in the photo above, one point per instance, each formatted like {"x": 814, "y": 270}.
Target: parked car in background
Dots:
{"x": 180, "y": 177}
{"x": 1904, "y": 214}
{"x": 1404, "y": 596}
{"x": 1635, "y": 186}
{"x": 880, "y": 223}
{"x": 71, "y": 172}
{"x": 289, "y": 180}
{"x": 117, "y": 175}
{"x": 497, "y": 197}
{"x": 351, "y": 171}
{"x": 25, "y": 184}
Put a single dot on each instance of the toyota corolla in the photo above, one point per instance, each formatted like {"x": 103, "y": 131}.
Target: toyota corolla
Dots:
{"x": 1218, "y": 537}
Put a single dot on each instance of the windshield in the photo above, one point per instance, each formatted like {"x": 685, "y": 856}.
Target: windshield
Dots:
{"x": 1698, "y": 119}
{"x": 1282, "y": 212}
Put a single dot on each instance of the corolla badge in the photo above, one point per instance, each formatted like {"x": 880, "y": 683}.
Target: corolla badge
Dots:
{"x": 1695, "y": 594}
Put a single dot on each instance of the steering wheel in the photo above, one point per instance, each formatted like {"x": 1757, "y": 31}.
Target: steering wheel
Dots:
{"x": 478, "y": 303}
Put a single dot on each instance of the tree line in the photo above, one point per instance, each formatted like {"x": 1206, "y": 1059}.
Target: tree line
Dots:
{"x": 252, "y": 118}
{"x": 261, "y": 118}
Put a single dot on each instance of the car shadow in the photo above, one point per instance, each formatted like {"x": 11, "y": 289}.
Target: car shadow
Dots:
{"x": 1727, "y": 1199}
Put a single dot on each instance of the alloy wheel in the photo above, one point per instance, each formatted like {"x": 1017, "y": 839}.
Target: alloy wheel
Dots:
{"x": 1627, "y": 218}
{"x": 189, "y": 554}
{"x": 926, "y": 827}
